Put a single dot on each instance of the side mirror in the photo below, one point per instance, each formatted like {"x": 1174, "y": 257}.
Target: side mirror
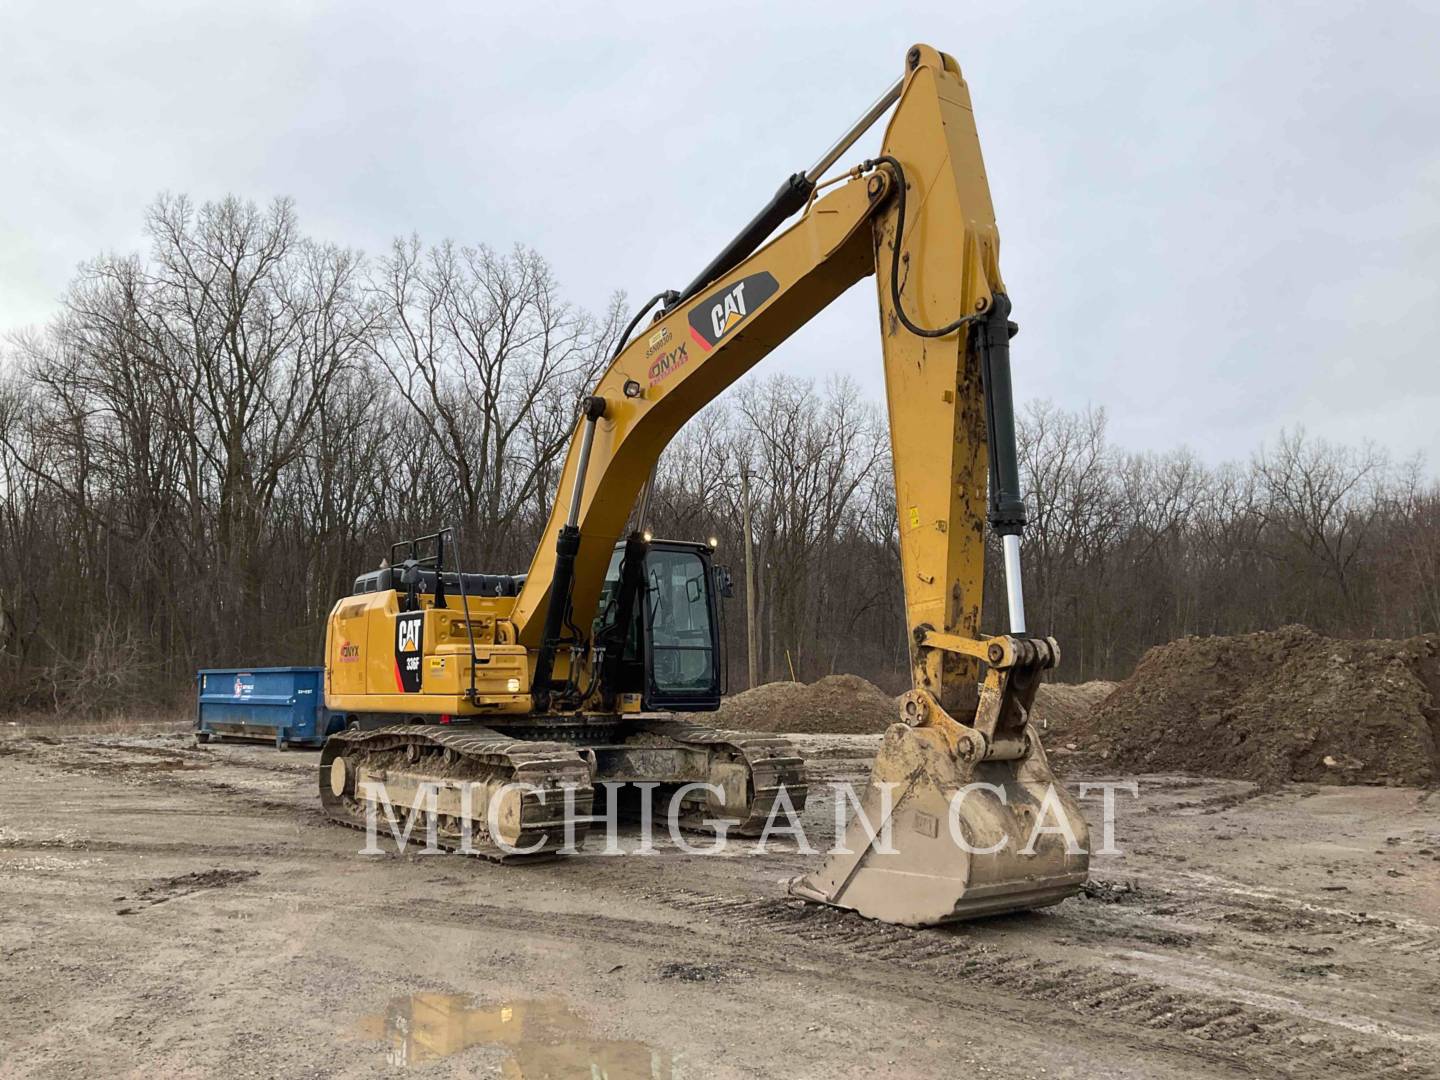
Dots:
{"x": 410, "y": 573}
{"x": 724, "y": 582}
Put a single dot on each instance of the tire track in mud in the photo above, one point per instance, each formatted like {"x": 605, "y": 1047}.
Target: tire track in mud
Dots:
{"x": 736, "y": 956}
{"x": 1261, "y": 913}
{"x": 1163, "y": 1016}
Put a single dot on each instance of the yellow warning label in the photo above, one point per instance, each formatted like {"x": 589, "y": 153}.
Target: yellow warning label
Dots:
{"x": 914, "y": 517}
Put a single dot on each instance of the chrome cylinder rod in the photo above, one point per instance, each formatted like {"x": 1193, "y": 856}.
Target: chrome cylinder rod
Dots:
{"x": 883, "y": 102}
{"x": 1014, "y": 590}
{"x": 587, "y": 440}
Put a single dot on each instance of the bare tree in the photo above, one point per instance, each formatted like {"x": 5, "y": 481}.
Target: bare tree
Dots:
{"x": 211, "y": 440}
{"x": 491, "y": 361}
{"x": 1320, "y": 505}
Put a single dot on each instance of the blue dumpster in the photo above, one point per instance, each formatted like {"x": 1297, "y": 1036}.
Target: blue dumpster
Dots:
{"x": 283, "y": 705}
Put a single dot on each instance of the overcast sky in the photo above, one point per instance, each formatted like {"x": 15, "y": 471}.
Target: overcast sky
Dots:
{"x": 1217, "y": 220}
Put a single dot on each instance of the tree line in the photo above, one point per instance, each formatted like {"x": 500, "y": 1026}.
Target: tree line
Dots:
{"x": 208, "y": 442}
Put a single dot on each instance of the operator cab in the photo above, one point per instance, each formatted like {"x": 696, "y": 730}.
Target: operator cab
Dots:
{"x": 671, "y": 650}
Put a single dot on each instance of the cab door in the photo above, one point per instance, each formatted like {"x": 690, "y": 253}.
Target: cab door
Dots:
{"x": 680, "y": 623}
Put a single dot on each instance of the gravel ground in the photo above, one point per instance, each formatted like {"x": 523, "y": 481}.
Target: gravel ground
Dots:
{"x": 182, "y": 911}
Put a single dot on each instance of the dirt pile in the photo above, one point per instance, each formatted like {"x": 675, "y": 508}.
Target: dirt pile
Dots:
{"x": 835, "y": 705}
{"x": 1059, "y": 707}
{"x": 1277, "y": 706}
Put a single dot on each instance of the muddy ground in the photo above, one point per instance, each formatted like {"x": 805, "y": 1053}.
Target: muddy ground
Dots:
{"x": 167, "y": 910}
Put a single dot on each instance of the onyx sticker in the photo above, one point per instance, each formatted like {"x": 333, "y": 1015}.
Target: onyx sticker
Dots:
{"x": 409, "y": 636}
{"x": 716, "y": 316}
{"x": 667, "y": 363}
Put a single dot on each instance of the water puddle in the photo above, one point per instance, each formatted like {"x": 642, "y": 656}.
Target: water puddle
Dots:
{"x": 541, "y": 1039}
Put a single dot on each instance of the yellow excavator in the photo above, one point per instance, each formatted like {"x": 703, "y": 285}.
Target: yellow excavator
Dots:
{"x": 523, "y": 694}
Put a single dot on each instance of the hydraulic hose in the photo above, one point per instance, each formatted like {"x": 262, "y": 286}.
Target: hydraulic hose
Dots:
{"x": 667, "y": 295}
{"x": 1006, "y": 512}
{"x": 905, "y": 321}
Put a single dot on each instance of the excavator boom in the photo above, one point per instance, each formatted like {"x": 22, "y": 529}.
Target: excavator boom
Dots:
{"x": 919, "y": 218}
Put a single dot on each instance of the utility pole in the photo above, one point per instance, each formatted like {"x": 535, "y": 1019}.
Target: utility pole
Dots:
{"x": 752, "y": 636}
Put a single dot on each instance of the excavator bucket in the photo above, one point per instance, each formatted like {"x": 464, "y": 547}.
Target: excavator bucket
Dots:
{"x": 976, "y": 823}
